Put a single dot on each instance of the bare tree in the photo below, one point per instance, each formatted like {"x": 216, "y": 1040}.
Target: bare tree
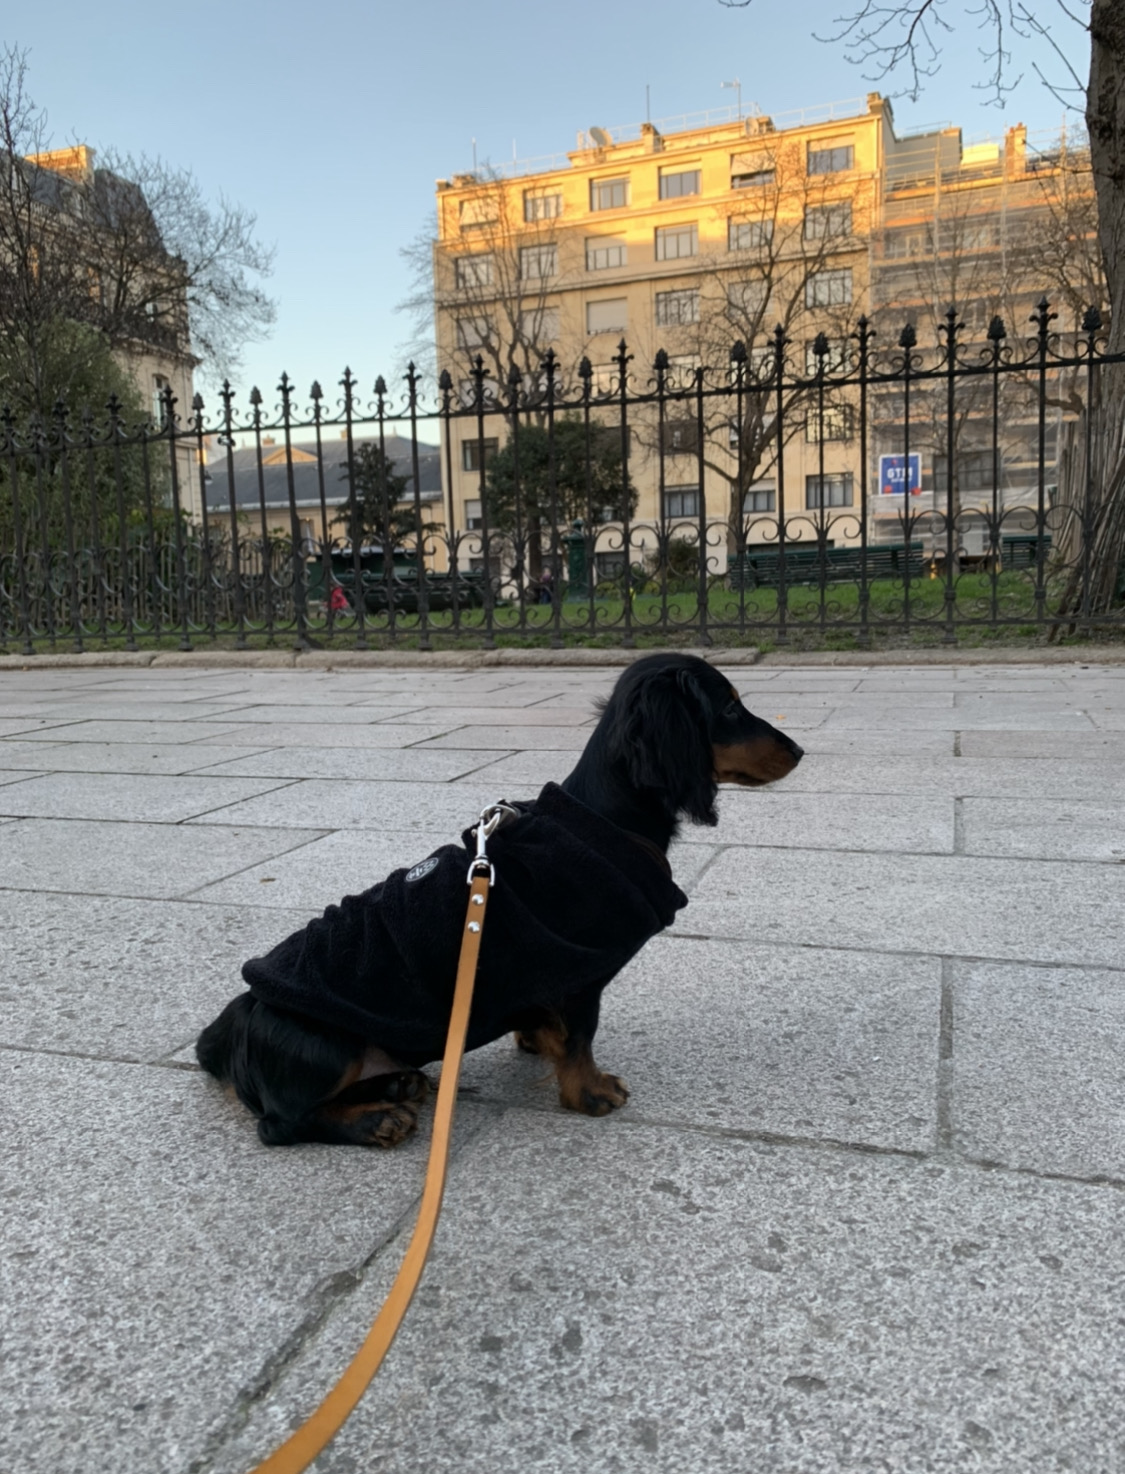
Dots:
{"x": 907, "y": 36}
{"x": 492, "y": 283}
{"x": 782, "y": 275}
{"x": 130, "y": 249}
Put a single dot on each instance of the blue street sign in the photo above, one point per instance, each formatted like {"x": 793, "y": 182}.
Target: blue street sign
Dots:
{"x": 892, "y": 475}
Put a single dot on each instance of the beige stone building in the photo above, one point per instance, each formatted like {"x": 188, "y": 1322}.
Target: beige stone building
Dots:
{"x": 156, "y": 353}
{"x": 691, "y": 238}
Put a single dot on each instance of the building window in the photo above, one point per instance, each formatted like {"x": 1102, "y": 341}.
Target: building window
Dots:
{"x": 901, "y": 245}
{"x": 604, "y": 252}
{"x": 539, "y": 262}
{"x": 472, "y": 514}
{"x": 828, "y": 288}
{"x": 675, "y": 184}
{"x": 747, "y": 299}
{"x": 836, "y": 360}
{"x": 761, "y": 497}
{"x": 675, "y": 242}
{"x": 828, "y": 491}
{"x": 609, "y": 194}
{"x": 610, "y": 315}
{"x": 973, "y": 471}
{"x": 756, "y": 179}
{"x": 827, "y": 222}
{"x": 681, "y": 501}
{"x": 605, "y": 379}
{"x": 474, "y": 271}
{"x": 540, "y": 324}
{"x": 749, "y": 235}
{"x": 680, "y": 437}
{"x": 160, "y": 387}
{"x": 681, "y": 370}
{"x": 473, "y": 332}
{"x": 836, "y": 160}
{"x": 479, "y": 210}
{"x": 541, "y": 206}
{"x": 675, "y": 308}
{"x": 834, "y": 422}
{"x": 471, "y": 451}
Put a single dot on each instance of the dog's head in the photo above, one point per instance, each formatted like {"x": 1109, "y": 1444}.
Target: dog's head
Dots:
{"x": 680, "y": 728}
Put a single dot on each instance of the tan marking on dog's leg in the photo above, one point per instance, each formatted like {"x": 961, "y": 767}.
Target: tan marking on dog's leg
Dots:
{"x": 582, "y": 1086}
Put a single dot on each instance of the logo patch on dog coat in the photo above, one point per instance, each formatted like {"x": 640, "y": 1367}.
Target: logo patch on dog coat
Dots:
{"x": 422, "y": 869}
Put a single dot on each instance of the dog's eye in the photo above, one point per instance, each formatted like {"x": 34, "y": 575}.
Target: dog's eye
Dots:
{"x": 732, "y": 710}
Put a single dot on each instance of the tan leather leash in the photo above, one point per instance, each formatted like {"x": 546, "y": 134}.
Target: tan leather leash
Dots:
{"x": 301, "y": 1448}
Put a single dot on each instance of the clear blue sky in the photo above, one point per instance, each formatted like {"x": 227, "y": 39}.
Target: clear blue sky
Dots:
{"x": 332, "y": 121}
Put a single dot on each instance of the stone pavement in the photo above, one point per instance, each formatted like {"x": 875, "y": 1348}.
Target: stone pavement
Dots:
{"x": 864, "y": 1211}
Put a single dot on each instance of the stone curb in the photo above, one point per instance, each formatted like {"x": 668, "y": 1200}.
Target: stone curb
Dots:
{"x": 326, "y": 660}
{"x": 1011, "y": 655}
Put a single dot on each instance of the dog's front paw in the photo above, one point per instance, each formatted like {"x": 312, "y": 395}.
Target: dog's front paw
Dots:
{"x": 592, "y": 1092}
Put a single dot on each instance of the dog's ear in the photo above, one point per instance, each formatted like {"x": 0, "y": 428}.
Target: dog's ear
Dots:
{"x": 662, "y": 732}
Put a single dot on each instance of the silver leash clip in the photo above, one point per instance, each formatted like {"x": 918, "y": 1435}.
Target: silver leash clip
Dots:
{"x": 490, "y": 820}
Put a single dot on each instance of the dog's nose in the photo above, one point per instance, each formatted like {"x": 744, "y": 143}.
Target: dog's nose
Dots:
{"x": 798, "y": 752}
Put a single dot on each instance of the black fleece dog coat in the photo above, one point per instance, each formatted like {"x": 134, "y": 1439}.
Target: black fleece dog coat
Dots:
{"x": 575, "y": 898}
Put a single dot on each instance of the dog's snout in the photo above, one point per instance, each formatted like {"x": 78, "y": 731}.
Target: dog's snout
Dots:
{"x": 798, "y": 751}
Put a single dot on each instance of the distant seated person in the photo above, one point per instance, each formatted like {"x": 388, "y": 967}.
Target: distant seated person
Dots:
{"x": 546, "y": 584}
{"x": 337, "y": 599}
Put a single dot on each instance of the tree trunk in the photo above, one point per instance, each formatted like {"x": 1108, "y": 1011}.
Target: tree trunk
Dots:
{"x": 1089, "y": 534}
{"x": 1105, "y": 121}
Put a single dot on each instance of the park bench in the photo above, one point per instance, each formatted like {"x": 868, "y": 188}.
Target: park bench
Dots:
{"x": 808, "y": 563}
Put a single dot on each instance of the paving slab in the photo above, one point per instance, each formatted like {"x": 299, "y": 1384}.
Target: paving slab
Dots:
{"x": 834, "y": 1045}
{"x": 75, "y": 707}
{"x": 528, "y": 717}
{"x": 325, "y": 804}
{"x": 142, "y": 731}
{"x": 831, "y": 821}
{"x": 123, "y": 796}
{"x": 851, "y": 772}
{"x": 326, "y": 714}
{"x": 308, "y": 734}
{"x": 949, "y": 905}
{"x": 1038, "y": 1068}
{"x": 75, "y": 856}
{"x": 1078, "y": 829}
{"x": 113, "y": 757}
{"x": 145, "y": 1304}
{"x": 1009, "y": 719}
{"x": 530, "y": 739}
{"x": 22, "y": 726}
{"x": 122, "y": 979}
{"x": 1067, "y": 745}
{"x": 614, "y": 1297}
{"x": 319, "y": 874}
{"x": 387, "y": 764}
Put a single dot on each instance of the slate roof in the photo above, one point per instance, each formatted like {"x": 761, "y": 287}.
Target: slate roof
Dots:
{"x": 306, "y": 482}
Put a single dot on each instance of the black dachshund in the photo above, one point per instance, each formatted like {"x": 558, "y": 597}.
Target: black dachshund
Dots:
{"x": 329, "y": 1042}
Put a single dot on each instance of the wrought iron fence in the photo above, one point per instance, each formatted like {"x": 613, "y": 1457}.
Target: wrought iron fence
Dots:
{"x": 861, "y": 491}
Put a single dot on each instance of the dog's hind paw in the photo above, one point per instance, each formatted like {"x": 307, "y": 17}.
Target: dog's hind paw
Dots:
{"x": 372, "y": 1123}
{"x": 386, "y": 1125}
{"x": 592, "y": 1092}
